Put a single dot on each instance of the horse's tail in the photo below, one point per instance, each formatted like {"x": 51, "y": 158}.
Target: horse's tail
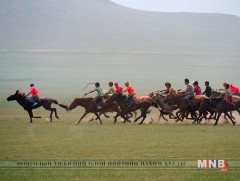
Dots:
{"x": 54, "y": 101}
{"x": 64, "y": 106}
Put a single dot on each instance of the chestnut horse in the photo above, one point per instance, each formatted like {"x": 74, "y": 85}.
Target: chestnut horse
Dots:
{"x": 90, "y": 107}
{"x": 143, "y": 105}
{"x": 22, "y": 99}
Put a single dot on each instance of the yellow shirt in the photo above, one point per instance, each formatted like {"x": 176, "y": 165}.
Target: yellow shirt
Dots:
{"x": 172, "y": 91}
{"x": 112, "y": 90}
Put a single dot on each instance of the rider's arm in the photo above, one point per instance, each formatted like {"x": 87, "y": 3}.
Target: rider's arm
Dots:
{"x": 90, "y": 92}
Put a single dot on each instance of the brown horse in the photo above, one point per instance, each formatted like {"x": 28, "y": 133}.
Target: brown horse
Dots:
{"x": 143, "y": 105}
{"x": 22, "y": 99}
{"x": 90, "y": 107}
{"x": 196, "y": 102}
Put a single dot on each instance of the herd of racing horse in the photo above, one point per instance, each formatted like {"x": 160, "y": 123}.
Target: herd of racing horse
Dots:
{"x": 177, "y": 104}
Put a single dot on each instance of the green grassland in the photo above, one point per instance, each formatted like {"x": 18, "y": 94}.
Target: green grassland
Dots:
{"x": 61, "y": 139}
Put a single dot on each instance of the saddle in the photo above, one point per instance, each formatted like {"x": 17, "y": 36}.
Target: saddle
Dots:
{"x": 31, "y": 102}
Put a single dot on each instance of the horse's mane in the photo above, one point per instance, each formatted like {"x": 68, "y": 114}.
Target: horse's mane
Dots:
{"x": 216, "y": 99}
{"x": 21, "y": 93}
{"x": 85, "y": 98}
{"x": 201, "y": 97}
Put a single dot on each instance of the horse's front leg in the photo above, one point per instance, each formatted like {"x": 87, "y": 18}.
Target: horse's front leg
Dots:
{"x": 177, "y": 114}
{"x": 115, "y": 117}
{"x": 144, "y": 117}
{"x": 125, "y": 116}
{"x": 86, "y": 112}
{"x": 31, "y": 115}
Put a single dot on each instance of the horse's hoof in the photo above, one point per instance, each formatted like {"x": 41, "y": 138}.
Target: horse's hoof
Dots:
{"x": 76, "y": 123}
{"x": 57, "y": 117}
{"x": 234, "y": 123}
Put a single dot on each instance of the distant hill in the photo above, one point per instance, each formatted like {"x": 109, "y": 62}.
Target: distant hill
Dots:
{"x": 100, "y": 25}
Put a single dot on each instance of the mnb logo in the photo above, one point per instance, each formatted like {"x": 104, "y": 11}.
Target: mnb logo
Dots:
{"x": 212, "y": 164}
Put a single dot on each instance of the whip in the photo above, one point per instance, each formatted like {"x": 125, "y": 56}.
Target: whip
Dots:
{"x": 88, "y": 85}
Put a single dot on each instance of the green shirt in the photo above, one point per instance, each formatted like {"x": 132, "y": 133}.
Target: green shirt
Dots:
{"x": 99, "y": 92}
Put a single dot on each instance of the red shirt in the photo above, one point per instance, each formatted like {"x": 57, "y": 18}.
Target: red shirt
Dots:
{"x": 130, "y": 90}
{"x": 34, "y": 91}
{"x": 119, "y": 89}
{"x": 197, "y": 90}
{"x": 234, "y": 89}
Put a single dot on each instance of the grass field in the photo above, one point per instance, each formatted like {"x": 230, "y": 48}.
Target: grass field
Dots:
{"x": 89, "y": 140}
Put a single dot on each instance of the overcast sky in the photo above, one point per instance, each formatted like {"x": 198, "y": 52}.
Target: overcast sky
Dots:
{"x": 198, "y": 6}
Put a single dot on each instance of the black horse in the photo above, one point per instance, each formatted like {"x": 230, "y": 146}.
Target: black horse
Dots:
{"x": 23, "y": 100}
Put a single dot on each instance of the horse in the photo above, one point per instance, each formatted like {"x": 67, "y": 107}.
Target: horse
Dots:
{"x": 164, "y": 108}
{"x": 196, "y": 102}
{"x": 22, "y": 99}
{"x": 220, "y": 105}
{"x": 218, "y": 94}
{"x": 143, "y": 103}
{"x": 90, "y": 107}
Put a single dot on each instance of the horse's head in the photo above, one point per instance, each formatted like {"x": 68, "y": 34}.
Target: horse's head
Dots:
{"x": 74, "y": 104}
{"x": 216, "y": 93}
{"x": 152, "y": 94}
{"x": 15, "y": 96}
{"x": 113, "y": 97}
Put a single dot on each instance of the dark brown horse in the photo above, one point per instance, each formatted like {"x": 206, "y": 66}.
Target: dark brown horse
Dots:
{"x": 219, "y": 94}
{"x": 22, "y": 99}
{"x": 143, "y": 105}
{"x": 220, "y": 105}
{"x": 196, "y": 102}
{"x": 90, "y": 107}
